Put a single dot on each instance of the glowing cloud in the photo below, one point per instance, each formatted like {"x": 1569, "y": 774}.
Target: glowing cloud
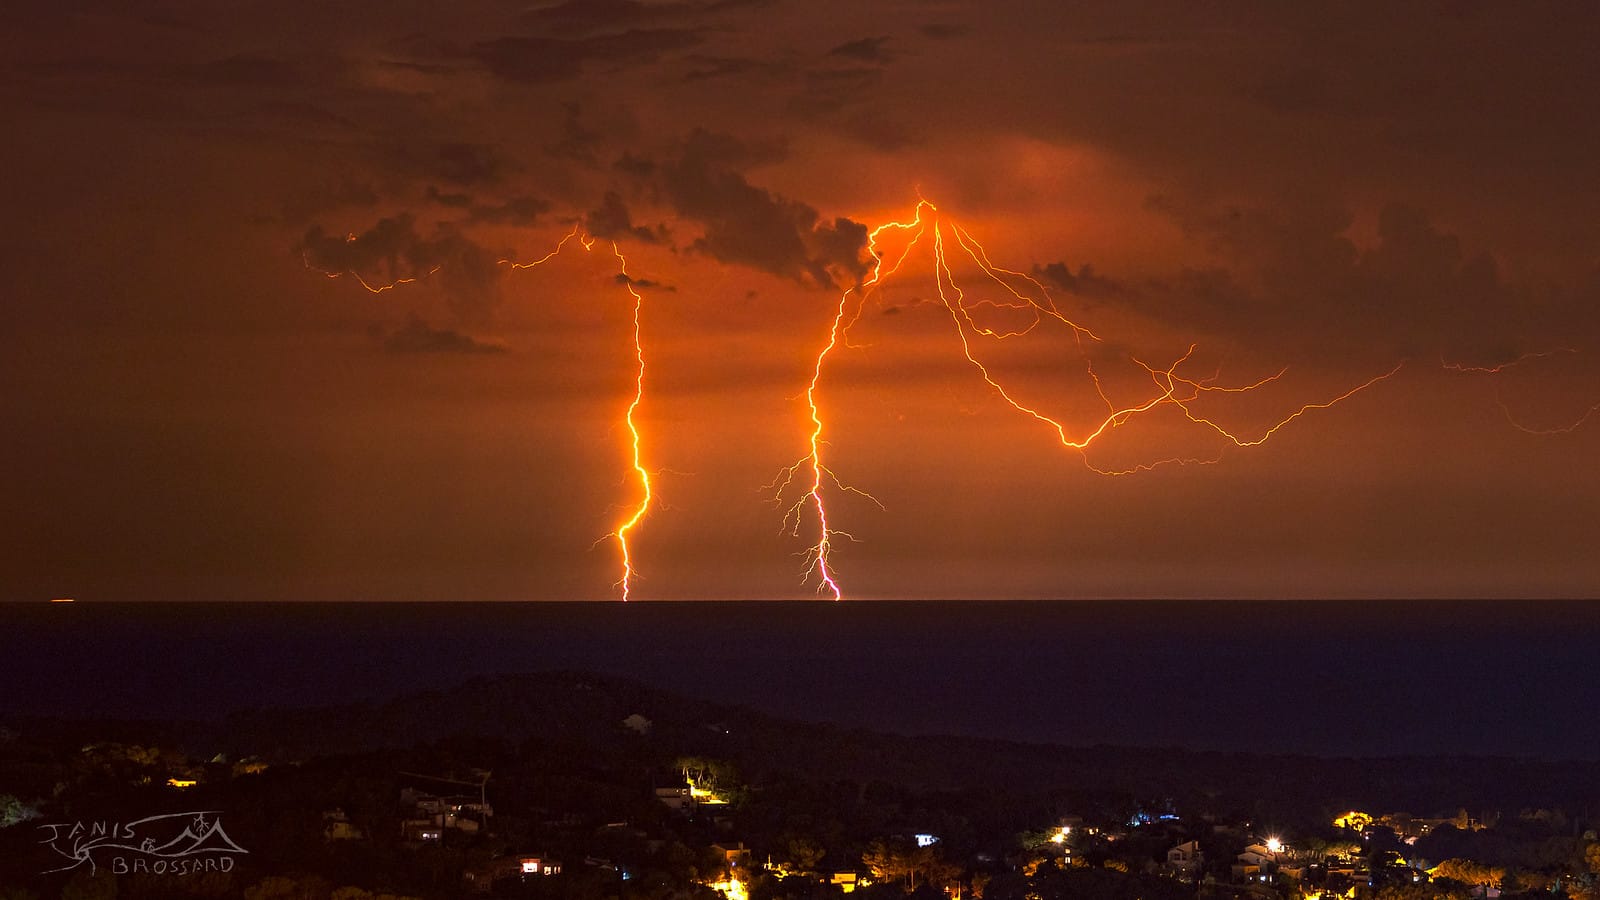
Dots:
{"x": 1020, "y": 293}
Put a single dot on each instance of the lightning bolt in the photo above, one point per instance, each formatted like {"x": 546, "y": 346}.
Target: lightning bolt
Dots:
{"x": 372, "y": 287}
{"x": 1022, "y": 293}
{"x": 1505, "y": 408}
{"x": 643, "y": 507}
{"x": 632, "y": 521}
{"x": 818, "y": 558}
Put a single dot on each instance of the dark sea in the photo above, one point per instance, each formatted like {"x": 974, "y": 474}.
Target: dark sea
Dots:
{"x": 1328, "y": 678}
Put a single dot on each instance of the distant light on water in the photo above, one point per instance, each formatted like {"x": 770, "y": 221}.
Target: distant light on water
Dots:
{"x": 63, "y": 600}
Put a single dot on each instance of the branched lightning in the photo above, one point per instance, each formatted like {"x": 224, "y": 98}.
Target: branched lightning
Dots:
{"x": 575, "y": 234}
{"x": 1017, "y": 305}
{"x": 372, "y": 287}
{"x": 817, "y": 558}
{"x": 1505, "y": 408}
{"x": 1497, "y": 369}
{"x": 1022, "y": 293}
{"x": 631, "y": 522}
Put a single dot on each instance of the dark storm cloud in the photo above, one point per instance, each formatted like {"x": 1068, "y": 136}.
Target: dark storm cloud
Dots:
{"x": 1085, "y": 281}
{"x": 515, "y": 210}
{"x": 456, "y": 200}
{"x": 418, "y": 336}
{"x": 465, "y": 164}
{"x": 612, "y": 220}
{"x": 520, "y": 210}
{"x": 751, "y": 226}
{"x": 392, "y": 244}
{"x": 636, "y": 166}
{"x": 577, "y": 142}
{"x": 542, "y": 60}
{"x": 895, "y": 309}
{"x": 470, "y": 276}
{"x": 830, "y": 90}
{"x": 644, "y": 284}
{"x": 1418, "y": 290}
{"x": 393, "y": 249}
{"x": 867, "y": 49}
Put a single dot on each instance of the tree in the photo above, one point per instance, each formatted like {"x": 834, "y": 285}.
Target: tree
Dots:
{"x": 1405, "y": 890}
{"x": 714, "y": 778}
{"x": 887, "y": 861}
{"x": 896, "y": 859}
{"x": 804, "y": 853}
{"x": 13, "y": 811}
{"x": 1469, "y": 872}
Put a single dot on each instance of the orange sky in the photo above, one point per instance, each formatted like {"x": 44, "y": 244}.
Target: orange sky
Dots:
{"x": 194, "y": 414}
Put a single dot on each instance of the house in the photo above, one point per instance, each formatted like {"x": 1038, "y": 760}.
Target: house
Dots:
{"x": 736, "y": 855}
{"x": 1258, "y": 855}
{"x": 336, "y": 826}
{"x": 1253, "y": 861}
{"x": 425, "y": 813}
{"x": 484, "y": 878}
{"x": 674, "y": 798}
{"x": 1185, "y": 860}
{"x": 421, "y": 830}
{"x": 538, "y": 865}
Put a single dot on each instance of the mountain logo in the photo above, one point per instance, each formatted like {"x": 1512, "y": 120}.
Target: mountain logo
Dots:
{"x": 168, "y": 844}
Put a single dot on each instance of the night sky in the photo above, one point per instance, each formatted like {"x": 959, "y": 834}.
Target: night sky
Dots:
{"x": 193, "y": 410}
